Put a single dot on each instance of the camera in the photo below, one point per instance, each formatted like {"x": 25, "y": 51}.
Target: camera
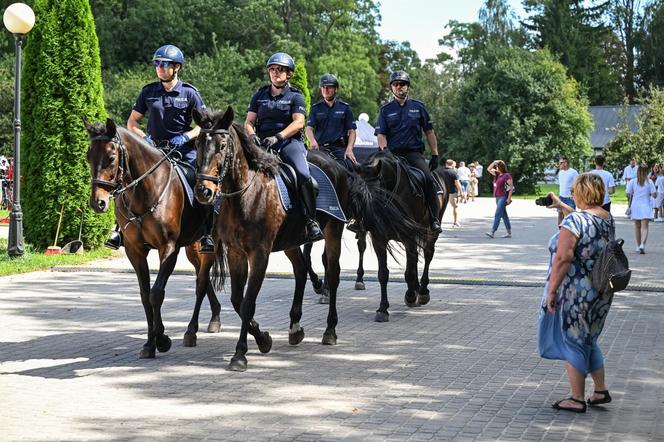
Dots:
{"x": 544, "y": 201}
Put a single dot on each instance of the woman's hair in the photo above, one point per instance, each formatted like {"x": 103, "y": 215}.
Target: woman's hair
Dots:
{"x": 642, "y": 174}
{"x": 588, "y": 189}
{"x": 500, "y": 165}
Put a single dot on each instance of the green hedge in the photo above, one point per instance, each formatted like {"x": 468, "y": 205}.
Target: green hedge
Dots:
{"x": 61, "y": 85}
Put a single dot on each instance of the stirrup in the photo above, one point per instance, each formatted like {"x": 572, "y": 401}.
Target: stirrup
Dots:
{"x": 435, "y": 227}
{"x": 207, "y": 245}
{"x": 313, "y": 231}
{"x": 354, "y": 226}
{"x": 114, "y": 241}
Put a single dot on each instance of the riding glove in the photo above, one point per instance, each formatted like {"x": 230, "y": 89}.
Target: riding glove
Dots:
{"x": 148, "y": 139}
{"x": 256, "y": 139}
{"x": 271, "y": 141}
{"x": 179, "y": 140}
{"x": 433, "y": 162}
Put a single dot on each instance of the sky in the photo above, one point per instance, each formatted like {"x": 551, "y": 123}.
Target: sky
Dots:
{"x": 422, "y": 22}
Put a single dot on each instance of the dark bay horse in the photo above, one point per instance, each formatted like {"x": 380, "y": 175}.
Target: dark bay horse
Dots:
{"x": 153, "y": 213}
{"x": 383, "y": 169}
{"x": 252, "y": 222}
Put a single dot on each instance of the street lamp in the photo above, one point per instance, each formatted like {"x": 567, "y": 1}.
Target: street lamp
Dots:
{"x": 19, "y": 20}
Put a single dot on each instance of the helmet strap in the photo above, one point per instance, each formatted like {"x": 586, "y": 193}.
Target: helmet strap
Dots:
{"x": 172, "y": 77}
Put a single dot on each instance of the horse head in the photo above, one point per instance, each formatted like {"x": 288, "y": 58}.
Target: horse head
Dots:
{"x": 380, "y": 167}
{"x": 212, "y": 147}
{"x": 105, "y": 163}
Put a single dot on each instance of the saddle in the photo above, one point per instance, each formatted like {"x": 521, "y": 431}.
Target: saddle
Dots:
{"x": 416, "y": 178}
{"x": 187, "y": 175}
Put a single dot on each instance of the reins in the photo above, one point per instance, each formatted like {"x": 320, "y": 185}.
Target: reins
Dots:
{"x": 119, "y": 190}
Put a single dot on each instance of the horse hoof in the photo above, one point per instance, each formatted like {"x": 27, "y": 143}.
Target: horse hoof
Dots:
{"x": 147, "y": 353}
{"x": 163, "y": 343}
{"x": 324, "y": 299}
{"x": 297, "y": 337}
{"x": 189, "y": 340}
{"x": 214, "y": 326}
{"x": 329, "y": 338}
{"x": 423, "y": 298}
{"x": 238, "y": 363}
{"x": 318, "y": 287}
{"x": 382, "y": 317}
{"x": 411, "y": 301}
{"x": 264, "y": 342}
{"x": 359, "y": 285}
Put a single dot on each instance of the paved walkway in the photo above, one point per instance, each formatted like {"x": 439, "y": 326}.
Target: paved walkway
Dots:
{"x": 464, "y": 367}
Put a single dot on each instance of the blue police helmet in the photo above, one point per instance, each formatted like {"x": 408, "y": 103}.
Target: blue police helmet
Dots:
{"x": 329, "y": 80}
{"x": 399, "y": 76}
{"x": 281, "y": 59}
{"x": 169, "y": 53}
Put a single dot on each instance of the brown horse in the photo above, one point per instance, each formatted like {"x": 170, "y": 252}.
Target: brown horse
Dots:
{"x": 252, "y": 222}
{"x": 384, "y": 170}
{"x": 153, "y": 213}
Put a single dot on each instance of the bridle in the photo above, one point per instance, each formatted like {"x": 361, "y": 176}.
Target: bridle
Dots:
{"x": 227, "y": 164}
{"x": 119, "y": 189}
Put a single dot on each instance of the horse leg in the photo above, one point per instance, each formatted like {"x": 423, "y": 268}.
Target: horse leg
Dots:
{"x": 325, "y": 290}
{"x": 238, "y": 268}
{"x": 258, "y": 261}
{"x": 313, "y": 276}
{"x": 168, "y": 256}
{"x": 423, "y": 295}
{"x": 382, "y": 315}
{"x": 410, "y": 275}
{"x": 333, "y": 252}
{"x": 137, "y": 258}
{"x": 202, "y": 265}
{"x": 296, "y": 332}
{"x": 361, "y": 247}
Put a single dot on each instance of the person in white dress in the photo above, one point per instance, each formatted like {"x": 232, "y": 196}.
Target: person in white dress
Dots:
{"x": 639, "y": 192}
{"x": 659, "y": 199}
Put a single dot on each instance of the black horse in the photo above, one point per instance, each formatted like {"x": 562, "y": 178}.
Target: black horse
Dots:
{"x": 153, "y": 213}
{"x": 384, "y": 170}
{"x": 252, "y": 222}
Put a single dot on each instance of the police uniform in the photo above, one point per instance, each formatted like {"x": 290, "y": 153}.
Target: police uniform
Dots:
{"x": 275, "y": 113}
{"x": 169, "y": 114}
{"x": 403, "y": 127}
{"x": 331, "y": 125}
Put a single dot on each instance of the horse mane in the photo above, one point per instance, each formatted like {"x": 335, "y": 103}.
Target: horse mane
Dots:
{"x": 258, "y": 159}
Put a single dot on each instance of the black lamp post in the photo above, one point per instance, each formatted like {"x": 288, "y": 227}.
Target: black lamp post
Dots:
{"x": 19, "y": 20}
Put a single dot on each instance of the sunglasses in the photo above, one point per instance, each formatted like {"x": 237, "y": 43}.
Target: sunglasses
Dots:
{"x": 400, "y": 84}
{"x": 279, "y": 69}
{"x": 162, "y": 63}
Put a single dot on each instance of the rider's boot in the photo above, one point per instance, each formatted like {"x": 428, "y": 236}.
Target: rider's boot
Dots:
{"x": 308, "y": 199}
{"x": 114, "y": 241}
{"x": 432, "y": 201}
{"x": 207, "y": 244}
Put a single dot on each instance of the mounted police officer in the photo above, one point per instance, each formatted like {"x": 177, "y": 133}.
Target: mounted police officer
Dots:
{"x": 275, "y": 121}
{"x": 168, "y": 103}
{"x": 399, "y": 128}
{"x": 331, "y": 125}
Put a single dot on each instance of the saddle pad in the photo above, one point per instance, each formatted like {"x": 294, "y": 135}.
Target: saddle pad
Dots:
{"x": 188, "y": 178}
{"x": 327, "y": 200}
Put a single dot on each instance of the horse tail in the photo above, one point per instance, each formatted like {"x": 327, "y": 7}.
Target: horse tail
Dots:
{"x": 383, "y": 216}
{"x": 220, "y": 266}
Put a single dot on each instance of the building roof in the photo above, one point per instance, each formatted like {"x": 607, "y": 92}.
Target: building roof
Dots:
{"x": 608, "y": 119}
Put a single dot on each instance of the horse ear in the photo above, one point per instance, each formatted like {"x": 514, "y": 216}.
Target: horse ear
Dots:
{"x": 87, "y": 125}
{"x": 227, "y": 119}
{"x": 198, "y": 117}
{"x": 111, "y": 129}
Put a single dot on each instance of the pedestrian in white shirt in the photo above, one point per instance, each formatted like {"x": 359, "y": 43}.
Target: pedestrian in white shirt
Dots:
{"x": 659, "y": 199}
{"x": 629, "y": 172}
{"x": 566, "y": 177}
{"x": 464, "y": 178}
{"x": 609, "y": 181}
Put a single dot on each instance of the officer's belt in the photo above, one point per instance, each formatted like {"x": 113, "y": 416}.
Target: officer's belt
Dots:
{"x": 401, "y": 151}
{"x": 335, "y": 143}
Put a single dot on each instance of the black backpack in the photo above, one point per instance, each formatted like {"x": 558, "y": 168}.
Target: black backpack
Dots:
{"x": 611, "y": 271}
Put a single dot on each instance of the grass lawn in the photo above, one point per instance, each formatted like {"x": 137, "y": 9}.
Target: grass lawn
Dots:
{"x": 619, "y": 197}
{"x": 36, "y": 260}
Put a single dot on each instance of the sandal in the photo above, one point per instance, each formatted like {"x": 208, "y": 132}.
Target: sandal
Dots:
{"x": 605, "y": 400}
{"x": 557, "y": 405}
